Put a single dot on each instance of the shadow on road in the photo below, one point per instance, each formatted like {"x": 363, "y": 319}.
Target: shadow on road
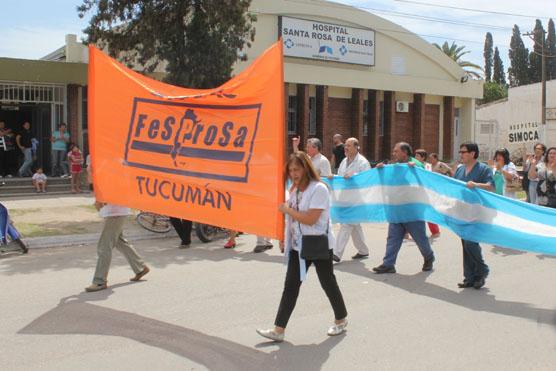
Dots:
{"x": 156, "y": 253}
{"x": 75, "y": 315}
{"x": 477, "y": 300}
{"x": 165, "y": 253}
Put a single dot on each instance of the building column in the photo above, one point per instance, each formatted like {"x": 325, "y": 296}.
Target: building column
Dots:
{"x": 324, "y": 133}
{"x": 357, "y": 99}
{"x": 448, "y": 127}
{"x": 389, "y": 123}
{"x": 303, "y": 113}
{"x": 373, "y": 117}
{"x": 419, "y": 120}
{"x": 73, "y": 113}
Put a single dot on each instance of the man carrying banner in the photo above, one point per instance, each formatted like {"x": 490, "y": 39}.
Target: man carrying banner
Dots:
{"x": 396, "y": 231}
{"x": 476, "y": 175}
{"x": 352, "y": 164}
{"x": 112, "y": 237}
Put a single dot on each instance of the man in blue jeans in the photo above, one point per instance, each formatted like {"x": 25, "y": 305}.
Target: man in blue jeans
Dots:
{"x": 24, "y": 142}
{"x": 476, "y": 175}
{"x": 60, "y": 139}
{"x": 404, "y": 154}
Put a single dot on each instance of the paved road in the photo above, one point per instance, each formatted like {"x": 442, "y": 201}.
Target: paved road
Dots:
{"x": 198, "y": 309}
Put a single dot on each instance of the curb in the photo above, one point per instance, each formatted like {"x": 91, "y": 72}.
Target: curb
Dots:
{"x": 87, "y": 239}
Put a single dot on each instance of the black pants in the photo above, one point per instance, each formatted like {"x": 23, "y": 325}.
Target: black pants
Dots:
{"x": 183, "y": 228}
{"x": 327, "y": 280}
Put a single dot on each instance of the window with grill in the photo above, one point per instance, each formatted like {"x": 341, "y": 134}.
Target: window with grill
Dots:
{"x": 487, "y": 128}
{"x": 365, "y": 117}
{"x": 312, "y": 116}
{"x": 292, "y": 114}
{"x": 381, "y": 118}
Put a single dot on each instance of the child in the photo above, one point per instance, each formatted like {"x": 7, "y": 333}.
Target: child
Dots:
{"x": 39, "y": 181}
{"x": 75, "y": 158}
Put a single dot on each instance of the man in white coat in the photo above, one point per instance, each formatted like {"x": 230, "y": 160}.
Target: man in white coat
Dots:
{"x": 313, "y": 149}
{"x": 353, "y": 163}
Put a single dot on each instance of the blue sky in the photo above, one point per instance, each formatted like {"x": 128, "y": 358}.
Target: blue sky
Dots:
{"x": 32, "y": 29}
{"x": 500, "y": 26}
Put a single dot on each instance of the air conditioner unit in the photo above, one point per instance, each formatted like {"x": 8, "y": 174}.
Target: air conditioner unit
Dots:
{"x": 402, "y": 106}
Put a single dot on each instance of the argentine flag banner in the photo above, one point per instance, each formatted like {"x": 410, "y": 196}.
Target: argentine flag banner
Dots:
{"x": 400, "y": 193}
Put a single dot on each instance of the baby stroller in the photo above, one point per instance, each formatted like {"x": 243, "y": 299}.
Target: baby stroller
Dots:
{"x": 8, "y": 231}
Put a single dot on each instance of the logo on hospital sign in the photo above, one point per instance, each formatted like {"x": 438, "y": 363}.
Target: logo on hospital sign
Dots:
{"x": 195, "y": 140}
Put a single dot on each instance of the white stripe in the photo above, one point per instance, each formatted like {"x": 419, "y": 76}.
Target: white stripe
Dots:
{"x": 448, "y": 206}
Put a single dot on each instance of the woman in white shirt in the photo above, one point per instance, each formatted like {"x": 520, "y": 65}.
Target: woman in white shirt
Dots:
{"x": 307, "y": 213}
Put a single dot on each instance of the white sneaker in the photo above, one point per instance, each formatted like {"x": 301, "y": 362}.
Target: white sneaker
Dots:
{"x": 271, "y": 334}
{"x": 338, "y": 329}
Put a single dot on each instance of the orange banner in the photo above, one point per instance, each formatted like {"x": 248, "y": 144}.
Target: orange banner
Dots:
{"x": 213, "y": 156}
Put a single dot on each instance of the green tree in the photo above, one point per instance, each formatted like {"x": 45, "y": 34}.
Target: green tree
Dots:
{"x": 535, "y": 56}
{"x": 493, "y": 91}
{"x": 519, "y": 61}
{"x": 550, "y": 52}
{"x": 499, "y": 76}
{"x": 487, "y": 53}
{"x": 196, "y": 41}
{"x": 456, "y": 52}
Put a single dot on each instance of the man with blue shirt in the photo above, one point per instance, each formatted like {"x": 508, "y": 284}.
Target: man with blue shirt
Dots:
{"x": 476, "y": 175}
{"x": 403, "y": 153}
{"x": 60, "y": 139}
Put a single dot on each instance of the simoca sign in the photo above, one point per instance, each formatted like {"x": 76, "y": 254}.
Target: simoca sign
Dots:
{"x": 325, "y": 41}
{"x": 525, "y": 132}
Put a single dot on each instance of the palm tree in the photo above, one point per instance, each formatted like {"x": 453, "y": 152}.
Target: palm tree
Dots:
{"x": 456, "y": 52}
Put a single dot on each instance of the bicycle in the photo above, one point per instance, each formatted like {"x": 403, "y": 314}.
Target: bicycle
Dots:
{"x": 161, "y": 224}
{"x": 208, "y": 233}
{"x": 154, "y": 222}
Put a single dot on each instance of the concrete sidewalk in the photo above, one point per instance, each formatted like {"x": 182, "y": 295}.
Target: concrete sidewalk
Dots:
{"x": 66, "y": 221}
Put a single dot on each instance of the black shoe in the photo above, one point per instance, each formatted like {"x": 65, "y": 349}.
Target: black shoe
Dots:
{"x": 261, "y": 248}
{"x": 336, "y": 258}
{"x": 384, "y": 269}
{"x": 427, "y": 265}
{"x": 23, "y": 246}
{"x": 360, "y": 256}
{"x": 479, "y": 283}
{"x": 465, "y": 285}
{"x": 184, "y": 245}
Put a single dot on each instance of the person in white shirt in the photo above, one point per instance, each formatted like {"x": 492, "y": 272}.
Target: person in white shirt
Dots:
{"x": 313, "y": 149}
{"x": 39, "y": 180}
{"x": 353, "y": 163}
{"x": 307, "y": 213}
{"x": 112, "y": 237}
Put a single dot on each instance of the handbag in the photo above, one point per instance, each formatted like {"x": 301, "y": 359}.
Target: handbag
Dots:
{"x": 313, "y": 247}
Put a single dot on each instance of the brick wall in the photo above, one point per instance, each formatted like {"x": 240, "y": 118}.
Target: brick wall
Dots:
{"x": 431, "y": 128}
{"x": 420, "y": 126}
{"x": 340, "y": 120}
{"x": 404, "y": 127}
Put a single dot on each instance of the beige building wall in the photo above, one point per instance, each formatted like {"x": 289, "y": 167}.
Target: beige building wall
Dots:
{"x": 516, "y": 117}
{"x": 420, "y": 67}
{"x": 404, "y": 63}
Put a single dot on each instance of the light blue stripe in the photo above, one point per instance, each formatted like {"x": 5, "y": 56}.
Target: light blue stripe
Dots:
{"x": 403, "y": 175}
{"x": 474, "y": 231}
